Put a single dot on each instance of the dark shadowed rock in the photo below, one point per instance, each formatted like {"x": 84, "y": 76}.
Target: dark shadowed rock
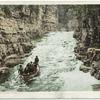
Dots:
{"x": 88, "y": 34}
{"x": 4, "y": 74}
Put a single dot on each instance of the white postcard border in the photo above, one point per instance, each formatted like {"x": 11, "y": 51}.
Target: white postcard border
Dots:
{"x": 57, "y": 95}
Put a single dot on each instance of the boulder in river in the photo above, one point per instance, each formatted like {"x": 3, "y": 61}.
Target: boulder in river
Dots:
{"x": 92, "y": 72}
{"x": 84, "y": 68}
{"x": 4, "y": 74}
{"x": 97, "y": 76}
{"x": 95, "y": 70}
{"x": 79, "y": 57}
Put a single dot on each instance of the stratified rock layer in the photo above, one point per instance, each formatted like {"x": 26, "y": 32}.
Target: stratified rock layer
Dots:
{"x": 87, "y": 34}
{"x": 19, "y": 25}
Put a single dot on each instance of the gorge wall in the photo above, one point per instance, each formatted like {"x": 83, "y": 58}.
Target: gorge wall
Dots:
{"x": 67, "y": 17}
{"x": 19, "y": 25}
{"x": 87, "y": 34}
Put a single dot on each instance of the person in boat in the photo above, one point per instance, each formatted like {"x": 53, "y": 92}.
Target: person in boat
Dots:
{"x": 34, "y": 68}
{"x": 20, "y": 71}
{"x": 36, "y": 60}
{"x": 29, "y": 68}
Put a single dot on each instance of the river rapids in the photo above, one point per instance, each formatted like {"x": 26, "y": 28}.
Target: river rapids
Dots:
{"x": 58, "y": 65}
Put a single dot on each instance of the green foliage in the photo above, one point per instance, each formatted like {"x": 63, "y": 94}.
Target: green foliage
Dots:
{"x": 7, "y": 11}
{"x": 19, "y": 7}
{"x": 34, "y": 8}
{"x": 84, "y": 9}
{"x": 81, "y": 9}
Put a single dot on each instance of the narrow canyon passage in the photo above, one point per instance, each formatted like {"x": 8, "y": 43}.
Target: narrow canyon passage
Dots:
{"x": 58, "y": 65}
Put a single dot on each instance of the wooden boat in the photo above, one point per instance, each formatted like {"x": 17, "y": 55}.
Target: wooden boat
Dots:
{"x": 31, "y": 76}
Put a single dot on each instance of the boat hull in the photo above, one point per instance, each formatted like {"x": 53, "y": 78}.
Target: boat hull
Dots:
{"x": 31, "y": 77}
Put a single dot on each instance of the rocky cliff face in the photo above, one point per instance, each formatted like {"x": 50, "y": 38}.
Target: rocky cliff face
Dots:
{"x": 18, "y": 27}
{"x": 67, "y": 17}
{"x": 89, "y": 28}
{"x": 88, "y": 35}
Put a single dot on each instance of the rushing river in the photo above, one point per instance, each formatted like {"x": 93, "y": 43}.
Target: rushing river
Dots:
{"x": 58, "y": 65}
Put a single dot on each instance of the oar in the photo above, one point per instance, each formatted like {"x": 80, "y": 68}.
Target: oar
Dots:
{"x": 17, "y": 76}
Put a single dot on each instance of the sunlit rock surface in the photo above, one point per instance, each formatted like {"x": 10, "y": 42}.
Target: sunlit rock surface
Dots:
{"x": 19, "y": 25}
